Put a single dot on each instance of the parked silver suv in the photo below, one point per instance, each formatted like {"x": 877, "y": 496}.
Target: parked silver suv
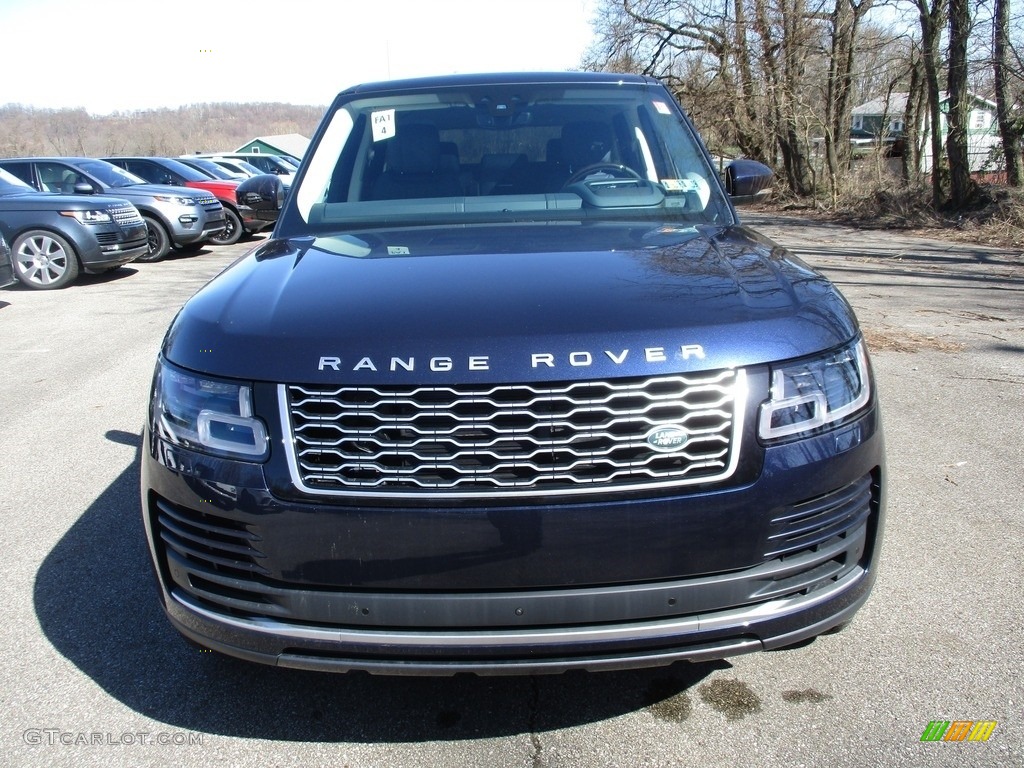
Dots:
{"x": 175, "y": 216}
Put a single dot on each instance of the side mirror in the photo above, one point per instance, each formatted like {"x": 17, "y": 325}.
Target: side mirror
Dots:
{"x": 84, "y": 188}
{"x": 264, "y": 194}
{"x": 748, "y": 180}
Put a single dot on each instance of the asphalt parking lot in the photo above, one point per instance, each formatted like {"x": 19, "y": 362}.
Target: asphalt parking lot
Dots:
{"x": 94, "y": 675}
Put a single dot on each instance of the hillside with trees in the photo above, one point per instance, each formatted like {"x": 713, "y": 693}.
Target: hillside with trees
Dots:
{"x": 194, "y": 128}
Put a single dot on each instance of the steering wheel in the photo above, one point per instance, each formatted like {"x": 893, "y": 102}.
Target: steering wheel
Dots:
{"x": 615, "y": 169}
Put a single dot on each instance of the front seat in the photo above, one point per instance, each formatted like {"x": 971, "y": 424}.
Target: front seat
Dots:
{"x": 414, "y": 167}
{"x": 585, "y": 143}
{"x": 68, "y": 181}
{"x": 582, "y": 143}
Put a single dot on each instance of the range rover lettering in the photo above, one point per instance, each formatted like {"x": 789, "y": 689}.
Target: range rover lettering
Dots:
{"x": 510, "y": 389}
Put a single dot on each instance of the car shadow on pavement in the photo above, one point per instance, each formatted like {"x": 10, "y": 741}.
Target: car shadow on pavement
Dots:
{"x": 96, "y": 600}
{"x": 110, "y": 276}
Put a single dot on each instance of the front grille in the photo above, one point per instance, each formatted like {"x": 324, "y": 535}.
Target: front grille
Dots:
{"x": 125, "y": 215}
{"x": 108, "y": 238}
{"x": 209, "y": 202}
{"x": 519, "y": 439}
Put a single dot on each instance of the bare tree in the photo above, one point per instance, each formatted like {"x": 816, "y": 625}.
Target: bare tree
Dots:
{"x": 932, "y": 21}
{"x": 960, "y": 102}
{"x": 20, "y": 131}
{"x": 66, "y": 130}
{"x": 913, "y": 111}
{"x": 1008, "y": 131}
{"x": 844, "y": 22}
{"x": 763, "y": 76}
{"x": 25, "y": 131}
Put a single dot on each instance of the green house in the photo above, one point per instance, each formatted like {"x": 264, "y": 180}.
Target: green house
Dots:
{"x": 293, "y": 144}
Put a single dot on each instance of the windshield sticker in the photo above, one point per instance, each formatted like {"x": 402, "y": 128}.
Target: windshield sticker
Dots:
{"x": 676, "y": 231}
{"x": 662, "y": 107}
{"x": 680, "y": 185}
{"x": 383, "y": 123}
{"x": 398, "y": 250}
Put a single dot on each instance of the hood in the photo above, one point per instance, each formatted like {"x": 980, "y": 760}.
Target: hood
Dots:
{"x": 502, "y": 303}
{"x": 216, "y": 187}
{"x": 149, "y": 190}
{"x": 31, "y": 200}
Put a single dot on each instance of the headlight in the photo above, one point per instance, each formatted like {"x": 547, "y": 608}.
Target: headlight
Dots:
{"x": 814, "y": 394}
{"x": 205, "y": 414}
{"x": 88, "y": 217}
{"x": 175, "y": 199}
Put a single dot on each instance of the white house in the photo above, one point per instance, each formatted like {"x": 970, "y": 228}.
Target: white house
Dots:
{"x": 885, "y": 117}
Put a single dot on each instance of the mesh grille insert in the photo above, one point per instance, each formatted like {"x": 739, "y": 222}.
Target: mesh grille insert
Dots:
{"x": 523, "y": 438}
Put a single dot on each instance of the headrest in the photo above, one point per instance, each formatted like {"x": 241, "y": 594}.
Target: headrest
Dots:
{"x": 585, "y": 143}
{"x": 415, "y": 148}
{"x": 553, "y": 151}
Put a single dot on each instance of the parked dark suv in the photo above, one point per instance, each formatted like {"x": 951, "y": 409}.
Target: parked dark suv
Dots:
{"x": 54, "y": 237}
{"x": 510, "y": 389}
{"x": 175, "y": 216}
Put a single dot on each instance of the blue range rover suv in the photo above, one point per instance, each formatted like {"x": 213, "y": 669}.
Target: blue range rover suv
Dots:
{"x": 511, "y": 390}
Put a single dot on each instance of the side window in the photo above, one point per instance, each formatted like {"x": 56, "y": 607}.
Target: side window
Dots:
{"x": 152, "y": 172}
{"x": 57, "y": 177}
{"x": 263, "y": 165}
{"x": 142, "y": 170}
{"x": 22, "y": 170}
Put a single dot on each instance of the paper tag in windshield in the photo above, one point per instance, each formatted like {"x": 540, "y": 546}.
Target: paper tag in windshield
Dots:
{"x": 680, "y": 185}
{"x": 662, "y": 107}
{"x": 383, "y": 123}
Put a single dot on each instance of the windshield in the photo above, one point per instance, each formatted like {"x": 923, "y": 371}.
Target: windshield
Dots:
{"x": 599, "y": 150}
{"x": 285, "y": 165}
{"x": 187, "y": 172}
{"x": 12, "y": 185}
{"x": 209, "y": 167}
{"x": 109, "y": 175}
{"x": 240, "y": 166}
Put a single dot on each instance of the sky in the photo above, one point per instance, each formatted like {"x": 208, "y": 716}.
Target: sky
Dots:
{"x": 126, "y": 55}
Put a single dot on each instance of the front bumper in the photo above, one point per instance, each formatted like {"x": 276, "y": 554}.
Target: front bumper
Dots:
{"x": 205, "y": 225}
{"x": 610, "y": 584}
{"x": 117, "y": 255}
{"x": 632, "y": 645}
{"x": 215, "y": 224}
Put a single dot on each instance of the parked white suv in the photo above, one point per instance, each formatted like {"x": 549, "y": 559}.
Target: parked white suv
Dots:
{"x": 266, "y": 163}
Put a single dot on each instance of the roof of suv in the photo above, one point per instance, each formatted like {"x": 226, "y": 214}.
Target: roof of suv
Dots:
{"x": 502, "y": 78}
